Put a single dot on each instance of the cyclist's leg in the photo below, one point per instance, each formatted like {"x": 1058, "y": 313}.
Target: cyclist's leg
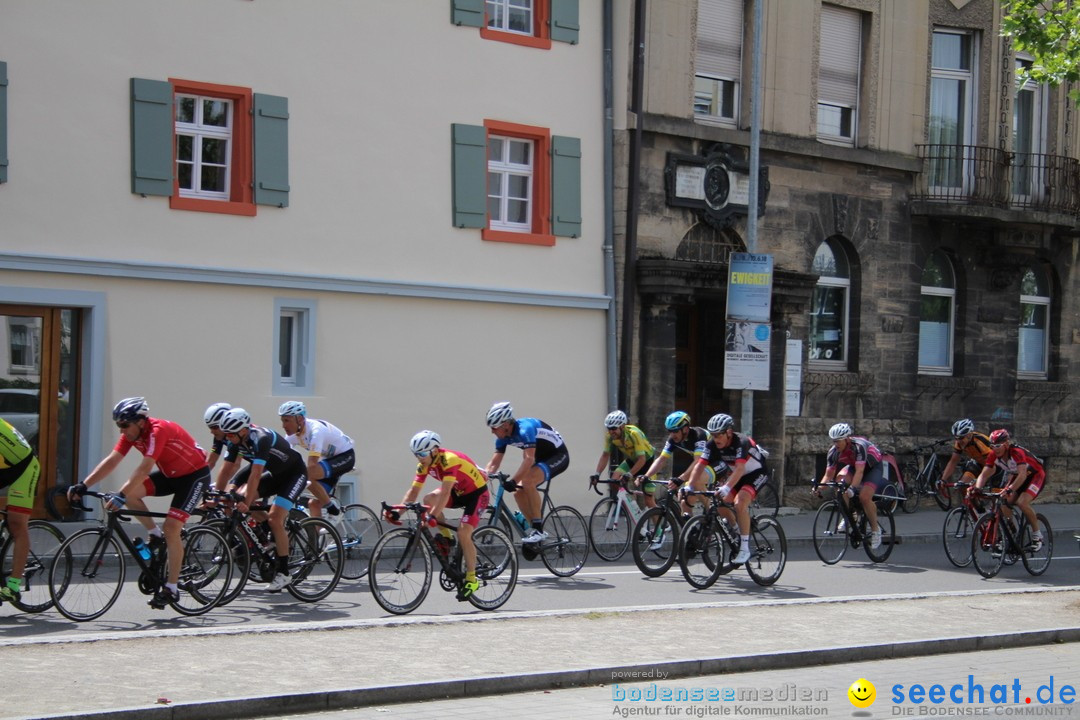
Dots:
{"x": 474, "y": 505}
{"x": 21, "y": 495}
{"x": 323, "y": 477}
{"x": 187, "y": 492}
{"x": 1027, "y": 494}
{"x": 871, "y": 483}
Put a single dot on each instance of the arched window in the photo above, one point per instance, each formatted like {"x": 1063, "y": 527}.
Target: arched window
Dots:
{"x": 1034, "y": 344}
{"x": 937, "y": 308}
{"x": 829, "y": 311}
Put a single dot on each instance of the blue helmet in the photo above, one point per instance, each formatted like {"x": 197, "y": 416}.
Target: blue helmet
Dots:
{"x": 292, "y": 407}
{"x": 130, "y": 410}
{"x": 677, "y": 421}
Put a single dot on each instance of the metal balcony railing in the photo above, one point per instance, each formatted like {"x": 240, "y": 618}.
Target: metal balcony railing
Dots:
{"x": 977, "y": 175}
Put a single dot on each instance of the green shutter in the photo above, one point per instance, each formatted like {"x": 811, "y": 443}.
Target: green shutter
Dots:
{"x": 3, "y": 122}
{"x": 271, "y": 130}
{"x": 470, "y": 176}
{"x": 564, "y": 21}
{"x": 467, "y": 12}
{"x": 152, "y": 132}
{"x": 565, "y": 186}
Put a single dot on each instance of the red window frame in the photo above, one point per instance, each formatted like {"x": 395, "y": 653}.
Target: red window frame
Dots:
{"x": 241, "y": 169}
{"x": 541, "y": 37}
{"x": 541, "y": 200}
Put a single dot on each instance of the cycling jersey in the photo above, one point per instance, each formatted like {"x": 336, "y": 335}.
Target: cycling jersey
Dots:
{"x": 684, "y": 453}
{"x": 456, "y": 466}
{"x": 742, "y": 450}
{"x": 19, "y": 469}
{"x": 532, "y": 433}
{"x": 859, "y": 451}
{"x": 13, "y": 449}
{"x": 1014, "y": 457}
{"x": 264, "y": 447}
{"x": 978, "y": 448}
{"x": 321, "y": 439}
{"x": 174, "y": 451}
{"x": 633, "y": 444}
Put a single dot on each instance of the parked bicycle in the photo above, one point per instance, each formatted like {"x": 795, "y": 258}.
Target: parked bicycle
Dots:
{"x": 840, "y": 524}
{"x": 567, "y": 546}
{"x": 613, "y": 518}
{"x": 999, "y": 538}
{"x": 360, "y": 528}
{"x": 959, "y": 524}
{"x": 656, "y": 534}
{"x": 45, "y": 540}
{"x": 87, "y": 573}
{"x": 401, "y": 566}
{"x": 708, "y": 542}
{"x": 922, "y": 478}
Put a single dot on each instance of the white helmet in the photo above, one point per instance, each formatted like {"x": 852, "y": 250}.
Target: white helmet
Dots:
{"x": 961, "y": 428}
{"x": 214, "y": 413}
{"x": 292, "y": 407}
{"x": 499, "y": 413}
{"x": 235, "y": 420}
{"x": 720, "y": 423}
{"x": 839, "y": 431}
{"x": 424, "y": 443}
{"x": 615, "y": 419}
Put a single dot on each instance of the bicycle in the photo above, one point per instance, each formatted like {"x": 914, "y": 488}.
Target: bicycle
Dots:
{"x": 959, "y": 524}
{"x": 567, "y": 547}
{"x": 707, "y": 543}
{"x": 88, "y": 570}
{"x": 359, "y": 528}
{"x": 401, "y": 567}
{"x": 45, "y": 540}
{"x": 57, "y": 506}
{"x": 613, "y": 518}
{"x": 927, "y": 482}
{"x": 656, "y": 534}
{"x": 839, "y": 524}
{"x": 314, "y": 567}
{"x": 997, "y": 539}
{"x": 766, "y": 502}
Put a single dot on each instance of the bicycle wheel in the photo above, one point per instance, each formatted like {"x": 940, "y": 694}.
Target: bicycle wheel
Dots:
{"x": 87, "y": 574}
{"x": 1036, "y": 561}
{"x": 567, "y": 546}
{"x": 766, "y": 502}
{"x": 400, "y": 573}
{"x": 987, "y": 543}
{"x": 956, "y": 536}
{"x": 830, "y": 532}
{"x": 314, "y": 561}
{"x": 768, "y": 551}
{"x": 241, "y": 559}
{"x": 911, "y": 489}
{"x": 888, "y": 537}
{"x": 888, "y": 498}
{"x": 206, "y": 571}
{"x": 496, "y": 568}
{"x": 58, "y": 507}
{"x": 45, "y": 540}
{"x": 609, "y": 529}
{"x": 943, "y": 494}
{"x": 656, "y": 537}
{"x": 359, "y": 530}
{"x": 703, "y": 552}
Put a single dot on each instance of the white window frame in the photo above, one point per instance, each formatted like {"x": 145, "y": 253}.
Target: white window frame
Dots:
{"x": 301, "y": 349}
{"x": 950, "y": 293}
{"x": 716, "y": 76}
{"x": 198, "y": 132}
{"x": 498, "y": 15}
{"x": 1043, "y": 301}
{"x": 841, "y": 28}
{"x": 28, "y": 328}
{"x": 1033, "y": 189}
{"x": 502, "y": 170}
{"x": 970, "y": 79}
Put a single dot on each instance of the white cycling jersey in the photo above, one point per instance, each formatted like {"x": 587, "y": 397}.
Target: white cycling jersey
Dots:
{"x": 321, "y": 439}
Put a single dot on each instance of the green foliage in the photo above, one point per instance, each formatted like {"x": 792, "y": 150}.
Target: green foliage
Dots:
{"x": 1049, "y": 31}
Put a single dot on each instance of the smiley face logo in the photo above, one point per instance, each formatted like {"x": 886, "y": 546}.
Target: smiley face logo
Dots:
{"x": 862, "y": 693}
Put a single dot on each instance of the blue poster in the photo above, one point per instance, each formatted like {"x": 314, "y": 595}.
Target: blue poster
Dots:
{"x": 749, "y": 287}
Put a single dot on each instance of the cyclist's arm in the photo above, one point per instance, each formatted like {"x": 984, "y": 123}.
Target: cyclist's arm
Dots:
{"x": 528, "y": 460}
{"x": 104, "y": 468}
{"x": 951, "y": 465}
{"x": 144, "y": 468}
{"x": 657, "y": 465}
{"x": 227, "y": 472}
{"x": 733, "y": 478}
{"x": 602, "y": 463}
{"x": 494, "y": 463}
{"x": 695, "y": 470}
{"x": 442, "y": 499}
{"x": 414, "y": 489}
{"x": 251, "y": 488}
{"x": 638, "y": 464}
{"x": 856, "y": 481}
{"x": 1022, "y": 471}
{"x": 986, "y": 472}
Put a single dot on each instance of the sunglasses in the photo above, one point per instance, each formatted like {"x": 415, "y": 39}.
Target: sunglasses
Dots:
{"x": 123, "y": 425}
{"x": 997, "y": 445}
{"x": 422, "y": 454}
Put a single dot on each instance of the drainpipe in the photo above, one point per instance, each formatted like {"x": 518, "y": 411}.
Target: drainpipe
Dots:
{"x": 755, "y": 173}
{"x": 633, "y": 178}
{"x": 609, "y": 210}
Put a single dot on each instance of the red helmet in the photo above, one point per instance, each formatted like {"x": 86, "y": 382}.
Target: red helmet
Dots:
{"x": 999, "y": 436}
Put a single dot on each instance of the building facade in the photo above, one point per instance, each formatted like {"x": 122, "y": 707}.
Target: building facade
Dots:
{"x": 920, "y": 207}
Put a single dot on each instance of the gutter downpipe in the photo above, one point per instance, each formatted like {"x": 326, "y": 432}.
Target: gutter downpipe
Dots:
{"x": 633, "y": 177}
{"x": 755, "y": 176}
{"x": 609, "y": 210}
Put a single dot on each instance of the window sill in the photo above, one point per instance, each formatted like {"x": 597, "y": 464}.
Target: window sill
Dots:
{"x": 521, "y": 238}
{"x": 212, "y": 206}
{"x": 515, "y": 38}
{"x": 936, "y": 371}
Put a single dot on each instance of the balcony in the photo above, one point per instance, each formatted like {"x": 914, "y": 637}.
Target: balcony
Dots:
{"x": 972, "y": 181}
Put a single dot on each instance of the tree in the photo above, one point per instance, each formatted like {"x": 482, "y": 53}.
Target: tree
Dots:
{"x": 1048, "y": 31}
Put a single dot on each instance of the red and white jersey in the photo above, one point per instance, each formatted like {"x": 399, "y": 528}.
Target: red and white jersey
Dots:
{"x": 173, "y": 449}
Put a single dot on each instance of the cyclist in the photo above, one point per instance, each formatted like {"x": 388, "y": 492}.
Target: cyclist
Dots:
{"x": 330, "y": 455}
{"x": 182, "y": 472}
{"x": 976, "y": 447}
{"x": 463, "y": 486}
{"x": 637, "y": 452}
{"x": 746, "y": 459}
{"x": 1026, "y": 478}
{"x": 858, "y": 461}
{"x": 543, "y": 456}
{"x": 274, "y": 469}
{"x": 212, "y": 418}
{"x": 19, "y": 472}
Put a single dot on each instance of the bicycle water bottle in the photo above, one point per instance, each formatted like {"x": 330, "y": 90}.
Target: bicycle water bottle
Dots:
{"x": 142, "y": 549}
{"x": 522, "y": 522}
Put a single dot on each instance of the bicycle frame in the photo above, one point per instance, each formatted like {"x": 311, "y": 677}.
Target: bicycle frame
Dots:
{"x": 623, "y": 503}
{"x": 422, "y": 536}
{"x": 498, "y": 507}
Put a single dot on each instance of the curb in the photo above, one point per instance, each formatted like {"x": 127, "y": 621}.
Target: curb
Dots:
{"x": 331, "y": 700}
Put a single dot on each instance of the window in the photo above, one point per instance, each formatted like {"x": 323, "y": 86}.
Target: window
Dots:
{"x": 294, "y": 339}
{"x": 936, "y": 315}
{"x": 1034, "y": 341}
{"x": 207, "y": 147}
{"x": 24, "y": 345}
{"x": 829, "y": 309}
{"x": 3, "y": 123}
{"x": 517, "y": 183}
{"x": 533, "y": 23}
{"x": 840, "y": 60}
{"x": 952, "y": 89}
{"x": 718, "y": 64}
{"x": 1029, "y": 113}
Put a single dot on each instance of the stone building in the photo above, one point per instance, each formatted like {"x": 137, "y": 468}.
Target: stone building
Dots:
{"x": 920, "y": 207}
